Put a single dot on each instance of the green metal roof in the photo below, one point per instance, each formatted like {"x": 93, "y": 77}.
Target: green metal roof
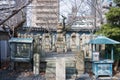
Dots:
{"x": 103, "y": 40}
{"x": 21, "y": 40}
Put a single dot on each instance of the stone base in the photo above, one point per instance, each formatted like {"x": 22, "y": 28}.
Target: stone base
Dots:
{"x": 59, "y": 50}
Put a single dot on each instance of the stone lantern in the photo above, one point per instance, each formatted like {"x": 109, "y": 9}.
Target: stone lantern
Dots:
{"x": 60, "y": 44}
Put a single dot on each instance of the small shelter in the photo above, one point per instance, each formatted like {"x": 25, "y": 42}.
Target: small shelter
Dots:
{"x": 104, "y": 66}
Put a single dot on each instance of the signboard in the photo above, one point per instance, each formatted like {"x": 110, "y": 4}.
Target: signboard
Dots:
{"x": 95, "y": 56}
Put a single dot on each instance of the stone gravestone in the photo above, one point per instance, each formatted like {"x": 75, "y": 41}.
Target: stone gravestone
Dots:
{"x": 47, "y": 42}
{"x": 79, "y": 62}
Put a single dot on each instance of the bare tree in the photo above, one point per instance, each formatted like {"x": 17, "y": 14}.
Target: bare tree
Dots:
{"x": 83, "y": 8}
{"x": 13, "y": 16}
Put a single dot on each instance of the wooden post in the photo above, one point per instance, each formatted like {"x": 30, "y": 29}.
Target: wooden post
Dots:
{"x": 112, "y": 53}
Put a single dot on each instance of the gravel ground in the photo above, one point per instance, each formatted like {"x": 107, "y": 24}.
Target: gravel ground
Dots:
{"x": 18, "y": 75}
{"x": 87, "y": 77}
{"x": 27, "y": 74}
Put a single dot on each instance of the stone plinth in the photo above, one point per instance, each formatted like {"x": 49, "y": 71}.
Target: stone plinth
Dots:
{"x": 47, "y": 47}
{"x": 73, "y": 47}
{"x": 60, "y": 46}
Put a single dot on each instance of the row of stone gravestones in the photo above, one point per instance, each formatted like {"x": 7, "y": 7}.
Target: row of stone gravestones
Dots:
{"x": 44, "y": 41}
{"x": 58, "y": 43}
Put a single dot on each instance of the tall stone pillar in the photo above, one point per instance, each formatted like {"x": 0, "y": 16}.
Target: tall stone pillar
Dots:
{"x": 60, "y": 69}
{"x": 36, "y": 64}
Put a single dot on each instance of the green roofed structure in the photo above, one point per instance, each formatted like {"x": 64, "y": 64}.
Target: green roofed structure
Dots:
{"x": 102, "y": 66}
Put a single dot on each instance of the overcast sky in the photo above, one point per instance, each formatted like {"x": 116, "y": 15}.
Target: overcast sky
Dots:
{"x": 66, "y": 6}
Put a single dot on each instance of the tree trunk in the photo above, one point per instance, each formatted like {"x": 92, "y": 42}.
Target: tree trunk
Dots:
{"x": 115, "y": 67}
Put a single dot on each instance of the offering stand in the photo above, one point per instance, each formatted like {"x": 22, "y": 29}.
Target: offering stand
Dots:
{"x": 102, "y": 66}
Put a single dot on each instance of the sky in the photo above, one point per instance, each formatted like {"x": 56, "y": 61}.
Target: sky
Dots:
{"x": 66, "y": 6}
